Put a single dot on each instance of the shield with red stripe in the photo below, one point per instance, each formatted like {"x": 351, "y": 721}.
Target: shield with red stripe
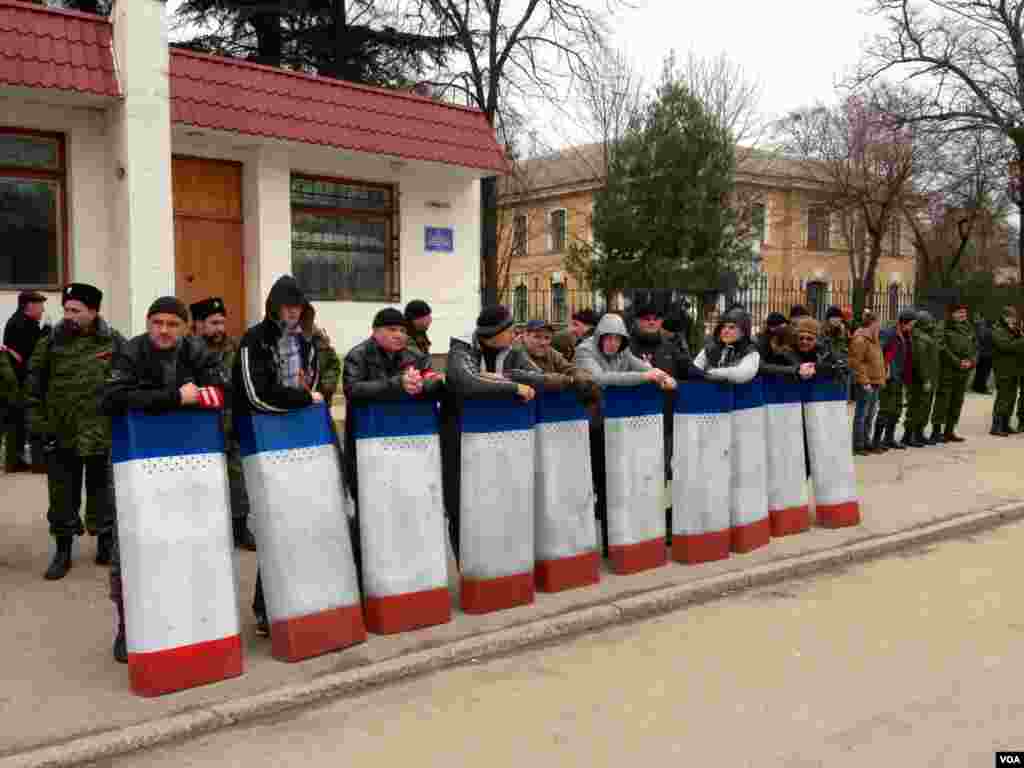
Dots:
{"x": 174, "y": 528}
{"x": 401, "y": 520}
{"x": 297, "y": 504}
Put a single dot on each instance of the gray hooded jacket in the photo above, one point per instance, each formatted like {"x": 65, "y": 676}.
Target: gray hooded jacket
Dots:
{"x": 623, "y": 369}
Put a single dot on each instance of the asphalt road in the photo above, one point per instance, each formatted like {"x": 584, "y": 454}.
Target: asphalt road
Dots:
{"x": 912, "y": 660}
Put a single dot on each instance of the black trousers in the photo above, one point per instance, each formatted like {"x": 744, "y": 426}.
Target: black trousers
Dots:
{"x": 981, "y": 375}
{"x": 15, "y": 430}
{"x": 65, "y": 473}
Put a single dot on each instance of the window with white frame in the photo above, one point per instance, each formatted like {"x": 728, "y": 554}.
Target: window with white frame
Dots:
{"x": 558, "y": 305}
{"x": 557, "y": 230}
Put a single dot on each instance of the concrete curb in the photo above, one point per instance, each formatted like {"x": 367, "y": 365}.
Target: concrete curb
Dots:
{"x": 88, "y": 749}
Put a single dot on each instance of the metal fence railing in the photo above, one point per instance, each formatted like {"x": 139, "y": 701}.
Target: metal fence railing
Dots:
{"x": 759, "y": 297}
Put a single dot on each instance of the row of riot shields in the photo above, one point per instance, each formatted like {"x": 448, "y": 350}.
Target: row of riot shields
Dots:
{"x": 741, "y": 456}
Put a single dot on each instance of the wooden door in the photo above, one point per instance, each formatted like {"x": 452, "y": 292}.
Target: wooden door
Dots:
{"x": 208, "y": 256}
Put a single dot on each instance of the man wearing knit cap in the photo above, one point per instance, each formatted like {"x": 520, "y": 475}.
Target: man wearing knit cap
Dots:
{"x": 65, "y": 373}
{"x": 485, "y": 365}
{"x": 383, "y": 367}
{"x": 418, "y": 317}
{"x": 156, "y": 372}
{"x": 277, "y": 370}
{"x": 23, "y": 330}
{"x": 581, "y": 327}
{"x": 836, "y": 332}
{"x": 209, "y": 321}
{"x": 898, "y": 354}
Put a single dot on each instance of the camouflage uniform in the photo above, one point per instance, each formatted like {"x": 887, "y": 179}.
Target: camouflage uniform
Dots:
{"x": 957, "y": 342}
{"x": 419, "y": 342}
{"x": 66, "y": 374}
{"x": 226, "y": 353}
{"x": 926, "y": 375}
{"x": 1008, "y": 364}
{"x": 10, "y": 392}
{"x": 330, "y": 365}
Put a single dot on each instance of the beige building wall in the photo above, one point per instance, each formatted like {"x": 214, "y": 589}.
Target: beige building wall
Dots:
{"x": 785, "y": 253}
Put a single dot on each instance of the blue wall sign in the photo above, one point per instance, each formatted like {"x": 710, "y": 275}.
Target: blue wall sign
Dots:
{"x": 439, "y": 239}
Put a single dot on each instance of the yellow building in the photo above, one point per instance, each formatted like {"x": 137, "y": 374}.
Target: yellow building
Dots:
{"x": 546, "y": 205}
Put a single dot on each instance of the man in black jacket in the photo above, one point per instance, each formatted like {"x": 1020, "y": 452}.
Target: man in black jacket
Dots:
{"x": 384, "y": 367}
{"x": 277, "y": 368}
{"x": 23, "y": 330}
{"x": 159, "y": 371}
{"x": 486, "y": 365}
{"x": 276, "y": 371}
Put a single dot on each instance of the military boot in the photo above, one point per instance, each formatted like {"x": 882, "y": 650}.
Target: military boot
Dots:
{"x": 915, "y": 439}
{"x": 104, "y": 547}
{"x": 890, "y": 439}
{"x": 952, "y": 437}
{"x": 876, "y": 445}
{"x": 999, "y": 426}
{"x": 936, "y": 437}
{"x": 61, "y": 563}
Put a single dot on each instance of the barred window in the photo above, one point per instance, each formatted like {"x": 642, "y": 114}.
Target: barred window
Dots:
{"x": 32, "y": 210}
{"x": 557, "y": 233}
{"x": 519, "y": 235}
{"x": 344, "y": 239}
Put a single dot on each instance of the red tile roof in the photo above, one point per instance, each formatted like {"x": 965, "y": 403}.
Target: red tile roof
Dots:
{"x": 231, "y": 95}
{"x": 45, "y": 48}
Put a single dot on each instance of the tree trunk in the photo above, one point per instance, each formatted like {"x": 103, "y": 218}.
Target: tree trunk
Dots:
{"x": 340, "y": 25}
{"x": 269, "y": 39}
{"x": 489, "y": 238}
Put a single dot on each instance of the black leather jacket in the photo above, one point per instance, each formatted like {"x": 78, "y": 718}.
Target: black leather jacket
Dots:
{"x": 139, "y": 379}
{"x": 370, "y": 373}
{"x": 466, "y": 364}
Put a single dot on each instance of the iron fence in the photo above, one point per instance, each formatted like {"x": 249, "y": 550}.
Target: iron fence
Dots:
{"x": 760, "y": 297}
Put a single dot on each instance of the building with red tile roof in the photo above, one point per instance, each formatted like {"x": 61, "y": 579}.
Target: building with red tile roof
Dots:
{"x": 148, "y": 170}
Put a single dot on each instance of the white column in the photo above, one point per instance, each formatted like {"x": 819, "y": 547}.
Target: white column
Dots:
{"x": 266, "y": 194}
{"x": 142, "y": 257}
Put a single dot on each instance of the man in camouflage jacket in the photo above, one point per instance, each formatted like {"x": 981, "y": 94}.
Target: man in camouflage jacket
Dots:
{"x": 62, "y": 391}
{"x": 958, "y": 355}
{"x": 1008, "y": 364}
{"x": 921, "y": 396}
{"x": 209, "y": 319}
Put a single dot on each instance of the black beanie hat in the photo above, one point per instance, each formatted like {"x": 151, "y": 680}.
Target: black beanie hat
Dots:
{"x": 207, "y": 307}
{"x": 89, "y": 295}
{"x": 168, "y": 305}
{"x": 416, "y": 309}
{"x": 833, "y": 311}
{"x": 774, "y": 319}
{"x": 388, "y": 316}
{"x": 492, "y": 321}
{"x": 585, "y": 316}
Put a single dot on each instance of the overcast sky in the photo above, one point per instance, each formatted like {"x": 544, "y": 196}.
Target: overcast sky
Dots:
{"x": 797, "y": 48}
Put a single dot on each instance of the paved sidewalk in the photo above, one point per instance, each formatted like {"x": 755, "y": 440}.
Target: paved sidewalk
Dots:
{"x": 61, "y": 682}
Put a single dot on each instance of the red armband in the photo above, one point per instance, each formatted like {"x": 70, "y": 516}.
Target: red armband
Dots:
{"x": 211, "y": 397}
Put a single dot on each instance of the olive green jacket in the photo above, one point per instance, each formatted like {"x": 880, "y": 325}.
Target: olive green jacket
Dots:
{"x": 1007, "y": 350}
{"x": 66, "y": 375}
{"x": 330, "y": 365}
{"x": 10, "y": 394}
{"x": 418, "y": 341}
{"x": 925, "y": 354}
{"x": 958, "y": 342}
